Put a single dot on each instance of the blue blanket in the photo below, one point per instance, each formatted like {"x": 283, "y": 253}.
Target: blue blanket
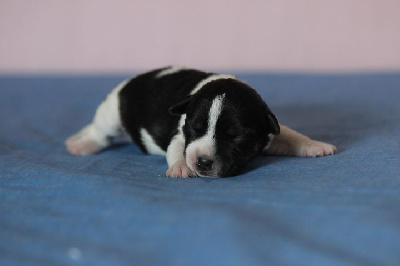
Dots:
{"x": 118, "y": 208}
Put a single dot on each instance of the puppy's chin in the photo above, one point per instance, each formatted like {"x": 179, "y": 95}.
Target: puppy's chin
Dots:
{"x": 216, "y": 174}
{"x": 207, "y": 175}
{"x": 213, "y": 173}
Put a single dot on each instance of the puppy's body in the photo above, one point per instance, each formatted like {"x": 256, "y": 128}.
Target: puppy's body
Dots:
{"x": 145, "y": 102}
{"x": 206, "y": 124}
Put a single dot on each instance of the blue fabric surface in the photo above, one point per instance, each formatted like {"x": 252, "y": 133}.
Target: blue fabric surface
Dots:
{"x": 118, "y": 208}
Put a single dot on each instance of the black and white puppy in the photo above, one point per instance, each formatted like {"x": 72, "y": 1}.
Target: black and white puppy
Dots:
{"x": 206, "y": 124}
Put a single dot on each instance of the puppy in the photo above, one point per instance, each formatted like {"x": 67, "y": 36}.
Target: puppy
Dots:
{"x": 206, "y": 124}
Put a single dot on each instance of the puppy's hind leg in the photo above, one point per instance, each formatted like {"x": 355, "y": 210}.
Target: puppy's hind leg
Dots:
{"x": 106, "y": 124}
{"x": 292, "y": 143}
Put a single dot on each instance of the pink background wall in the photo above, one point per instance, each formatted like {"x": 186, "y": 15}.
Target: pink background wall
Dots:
{"x": 128, "y": 35}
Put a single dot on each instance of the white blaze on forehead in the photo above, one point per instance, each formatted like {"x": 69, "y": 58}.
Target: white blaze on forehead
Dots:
{"x": 205, "y": 146}
{"x": 214, "y": 113}
{"x": 169, "y": 71}
{"x": 211, "y": 78}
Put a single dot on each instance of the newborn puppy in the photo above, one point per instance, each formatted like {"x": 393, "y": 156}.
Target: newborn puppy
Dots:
{"x": 206, "y": 124}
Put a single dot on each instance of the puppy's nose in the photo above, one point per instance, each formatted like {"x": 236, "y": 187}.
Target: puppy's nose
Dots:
{"x": 204, "y": 163}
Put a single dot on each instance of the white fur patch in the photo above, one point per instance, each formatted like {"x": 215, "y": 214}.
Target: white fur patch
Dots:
{"x": 181, "y": 123}
{"x": 205, "y": 146}
{"x": 176, "y": 147}
{"x": 271, "y": 138}
{"x": 169, "y": 71}
{"x": 107, "y": 120}
{"x": 211, "y": 78}
{"x": 175, "y": 150}
{"x": 105, "y": 125}
{"x": 149, "y": 143}
{"x": 215, "y": 111}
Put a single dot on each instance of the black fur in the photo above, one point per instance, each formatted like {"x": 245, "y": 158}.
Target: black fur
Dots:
{"x": 242, "y": 128}
{"x": 145, "y": 102}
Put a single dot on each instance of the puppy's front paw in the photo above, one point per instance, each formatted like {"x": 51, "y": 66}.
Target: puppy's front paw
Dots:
{"x": 180, "y": 169}
{"x": 317, "y": 149}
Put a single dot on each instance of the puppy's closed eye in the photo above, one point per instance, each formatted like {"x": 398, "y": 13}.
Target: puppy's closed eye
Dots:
{"x": 239, "y": 135}
{"x": 194, "y": 128}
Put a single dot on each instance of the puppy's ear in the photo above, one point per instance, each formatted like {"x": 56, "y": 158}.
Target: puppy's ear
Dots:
{"x": 272, "y": 123}
{"x": 180, "y": 108}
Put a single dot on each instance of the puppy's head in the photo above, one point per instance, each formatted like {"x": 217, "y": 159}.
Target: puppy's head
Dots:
{"x": 227, "y": 123}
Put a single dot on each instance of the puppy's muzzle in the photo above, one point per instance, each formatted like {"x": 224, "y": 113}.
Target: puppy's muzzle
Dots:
{"x": 204, "y": 163}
